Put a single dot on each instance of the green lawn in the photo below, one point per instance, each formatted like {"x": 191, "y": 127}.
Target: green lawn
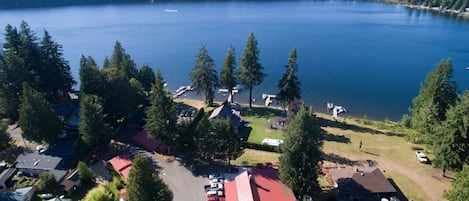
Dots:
{"x": 259, "y": 130}
{"x": 251, "y": 157}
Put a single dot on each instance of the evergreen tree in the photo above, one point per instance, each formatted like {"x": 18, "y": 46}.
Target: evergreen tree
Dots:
{"x": 98, "y": 193}
{"x": 107, "y": 63}
{"x": 188, "y": 135}
{"x": 206, "y": 145}
{"x": 289, "y": 85}
{"x": 123, "y": 62}
{"x": 230, "y": 147}
{"x": 452, "y": 142}
{"x": 47, "y": 182}
{"x": 301, "y": 153}
{"x": 85, "y": 173}
{"x": 227, "y": 73}
{"x": 204, "y": 76}
{"x": 161, "y": 121}
{"x": 146, "y": 76}
{"x": 145, "y": 184}
{"x": 436, "y": 95}
{"x": 13, "y": 73}
{"x": 460, "y": 188}
{"x": 250, "y": 71}
{"x": 90, "y": 77}
{"x": 38, "y": 120}
{"x": 57, "y": 80}
{"x": 93, "y": 129}
{"x": 217, "y": 139}
{"x": 5, "y": 139}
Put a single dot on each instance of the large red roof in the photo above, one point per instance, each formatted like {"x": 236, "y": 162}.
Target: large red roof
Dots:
{"x": 267, "y": 185}
{"x": 262, "y": 185}
{"x": 120, "y": 162}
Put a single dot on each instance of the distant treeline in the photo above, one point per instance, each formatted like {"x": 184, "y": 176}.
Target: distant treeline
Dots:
{"x": 448, "y": 4}
{"x": 8, "y": 4}
{"x": 460, "y": 5}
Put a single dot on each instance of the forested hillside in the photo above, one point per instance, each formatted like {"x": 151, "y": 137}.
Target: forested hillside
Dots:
{"x": 448, "y": 4}
{"x": 6, "y": 4}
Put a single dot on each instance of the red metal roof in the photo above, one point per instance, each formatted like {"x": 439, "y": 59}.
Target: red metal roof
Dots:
{"x": 120, "y": 162}
{"x": 230, "y": 191}
{"x": 125, "y": 173}
{"x": 262, "y": 185}
{"x": 147, "y": 142}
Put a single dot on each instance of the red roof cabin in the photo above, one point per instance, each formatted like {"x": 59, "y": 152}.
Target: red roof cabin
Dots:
{"x": 122, "y": 164}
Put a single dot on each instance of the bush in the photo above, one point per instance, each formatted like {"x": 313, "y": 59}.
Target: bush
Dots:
{"x": 47, "y": 182}
{"x": 85, "y": 173}
{"x": 262, "y": 147}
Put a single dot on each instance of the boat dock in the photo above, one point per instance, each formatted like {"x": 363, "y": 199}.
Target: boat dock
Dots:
{"x": 268, "y": 98}
{"x": 181, "y": 91}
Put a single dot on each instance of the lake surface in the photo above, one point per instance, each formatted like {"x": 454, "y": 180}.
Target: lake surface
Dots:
{"x": 369, "y": 57}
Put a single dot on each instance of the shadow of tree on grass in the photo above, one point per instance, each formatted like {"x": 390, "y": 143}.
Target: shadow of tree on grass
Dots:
{"x": 336, "y": 138}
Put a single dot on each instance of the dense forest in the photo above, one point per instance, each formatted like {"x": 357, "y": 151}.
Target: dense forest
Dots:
{"x": 447, "y": 4}
{"x": 460, "y": 5}
{"x": 8, "y": 4}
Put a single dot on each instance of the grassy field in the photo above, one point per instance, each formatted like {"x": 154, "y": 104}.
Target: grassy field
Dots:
{"x": 260, "y": 131}
{"x": 382, "y": 146}
{"x": 252, "y": 157}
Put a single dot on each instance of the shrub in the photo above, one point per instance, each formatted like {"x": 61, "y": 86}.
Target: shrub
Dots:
{"x": 85, "y": 173}
{"x": 47, "y": 182}
{"x": 262, "y": 147}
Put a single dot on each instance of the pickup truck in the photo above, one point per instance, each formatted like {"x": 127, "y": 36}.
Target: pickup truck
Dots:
{"x": 422, "y": 157}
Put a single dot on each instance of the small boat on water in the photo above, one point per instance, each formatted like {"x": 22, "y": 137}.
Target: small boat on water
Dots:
{"x": 171, "y": 10}
{"x": 467, "y": 68}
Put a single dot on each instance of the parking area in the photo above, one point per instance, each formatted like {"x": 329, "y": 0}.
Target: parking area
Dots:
{"x": 182, "y": 182}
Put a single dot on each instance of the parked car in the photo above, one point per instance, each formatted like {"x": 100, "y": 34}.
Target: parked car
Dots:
{"x": 422, "y": 157}
{"x": 213, "y": 187}
{"x": 216, "y": 181}
{"x": 216, "y": 176}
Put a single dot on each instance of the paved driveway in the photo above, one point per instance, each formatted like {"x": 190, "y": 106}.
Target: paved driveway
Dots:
{"x": 182, "y": 182}
{"x": 184, "y": 185}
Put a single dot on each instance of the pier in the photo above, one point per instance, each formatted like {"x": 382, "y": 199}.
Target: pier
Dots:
{"x": 181, "y": 91}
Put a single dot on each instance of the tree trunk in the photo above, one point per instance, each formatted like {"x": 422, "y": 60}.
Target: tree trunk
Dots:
{"x": 250, "y": 97}
{"x": 443, "y": 172}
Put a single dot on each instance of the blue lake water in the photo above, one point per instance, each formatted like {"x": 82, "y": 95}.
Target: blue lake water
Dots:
{"x": 369, "y": 57}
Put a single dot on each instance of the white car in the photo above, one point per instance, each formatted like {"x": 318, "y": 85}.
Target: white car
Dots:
{"x": 216, "y": 186}
{"x": 215, "y": 176}
{"x": 216, "y": 181}
{"x": 422, "y": 157}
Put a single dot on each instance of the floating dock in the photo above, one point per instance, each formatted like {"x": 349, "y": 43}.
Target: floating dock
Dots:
{"x": 181, "y": 91}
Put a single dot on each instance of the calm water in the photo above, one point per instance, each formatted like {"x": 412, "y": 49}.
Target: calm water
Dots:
{"x": 370, "y": 57}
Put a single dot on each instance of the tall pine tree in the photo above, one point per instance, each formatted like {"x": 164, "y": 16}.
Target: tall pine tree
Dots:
{"x": 37, "y": 120}
{"x": 161, "y": 115}
{"x": 451, "y": 144}
{"x": 227, "y": 73}
{"x": 301, "y": 154}
{"x": 145, "y": 184}
{"x": 436, "y": 95}
{"x": 204, "y": 76}
{"x": 250, "y": 71}
{"x": 93, "y": 129}
{"x": 289, "y": 85}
